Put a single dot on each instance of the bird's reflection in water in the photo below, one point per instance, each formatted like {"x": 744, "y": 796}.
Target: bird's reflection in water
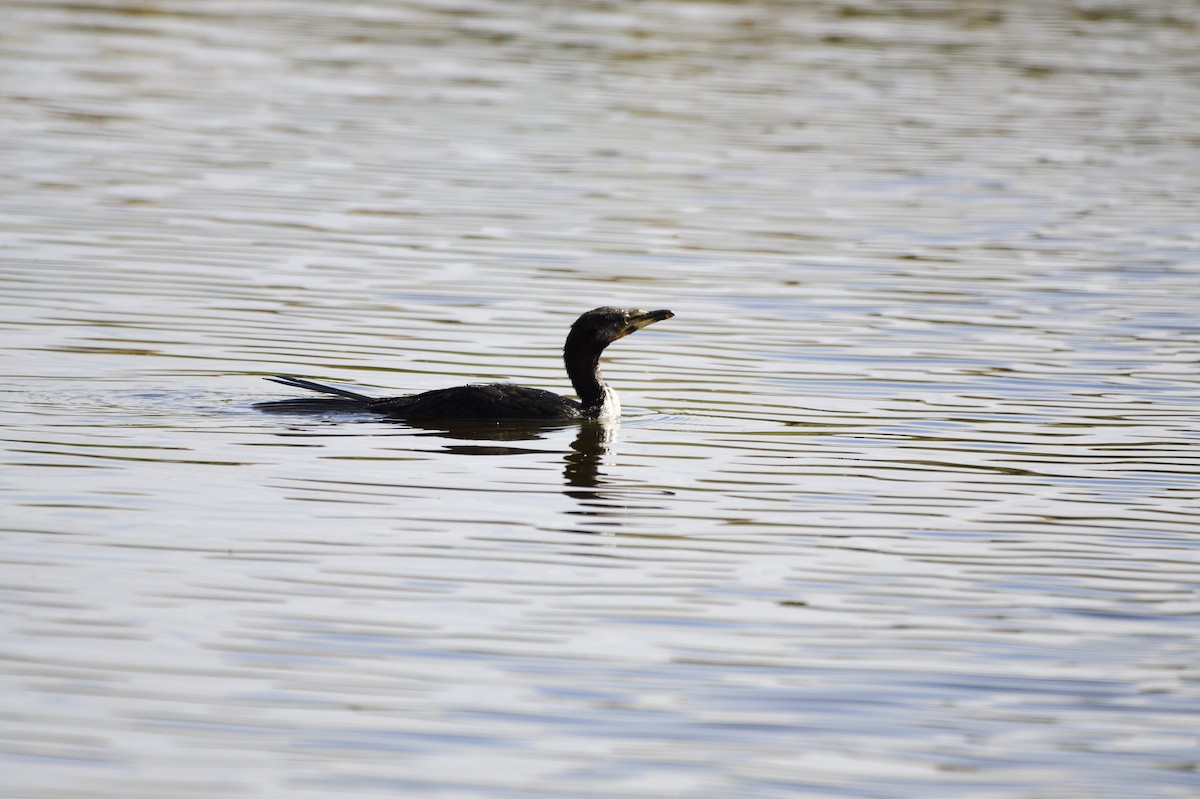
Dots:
{"x": 582, "y": 464}
{"x": 602, "y": 502}
{"x": 483, "y": 430}
{"x": 582, "y": 467}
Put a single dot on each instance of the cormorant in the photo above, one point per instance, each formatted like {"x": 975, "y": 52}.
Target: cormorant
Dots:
{"x": 590, "y": 334}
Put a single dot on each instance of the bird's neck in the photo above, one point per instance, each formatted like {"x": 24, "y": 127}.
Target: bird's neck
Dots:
{"x": 584, "y": 370}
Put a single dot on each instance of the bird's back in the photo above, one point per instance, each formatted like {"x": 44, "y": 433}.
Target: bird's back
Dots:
{"x": 492, "y": 401}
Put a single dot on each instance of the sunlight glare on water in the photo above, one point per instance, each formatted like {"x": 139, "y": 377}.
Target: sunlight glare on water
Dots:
{"x": 903, "y": 501}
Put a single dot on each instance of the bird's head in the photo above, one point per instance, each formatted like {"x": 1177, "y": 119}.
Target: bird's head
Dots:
{"x": 600, "y": 327}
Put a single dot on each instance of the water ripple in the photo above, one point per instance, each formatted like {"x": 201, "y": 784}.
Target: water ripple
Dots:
{"x": 903, "y": 499}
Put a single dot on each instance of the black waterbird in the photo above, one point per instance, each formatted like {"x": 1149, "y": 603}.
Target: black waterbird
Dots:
{"x": 590, "y": 335}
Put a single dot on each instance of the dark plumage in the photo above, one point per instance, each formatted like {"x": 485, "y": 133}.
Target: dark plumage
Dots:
{"x": 590, "y": 335}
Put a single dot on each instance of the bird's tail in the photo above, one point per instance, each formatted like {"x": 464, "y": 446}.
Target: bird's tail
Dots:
{"x": 344, "y": 400}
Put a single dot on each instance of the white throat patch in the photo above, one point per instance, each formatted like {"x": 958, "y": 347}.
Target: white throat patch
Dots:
{"x": 610, "y": 407}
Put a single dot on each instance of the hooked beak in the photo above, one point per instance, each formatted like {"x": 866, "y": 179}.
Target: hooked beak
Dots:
{"x": 639, "y": 319}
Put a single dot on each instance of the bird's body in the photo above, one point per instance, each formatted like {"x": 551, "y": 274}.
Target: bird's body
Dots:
{"x": 481, "y": 401}
{"x": 591, "y": 333}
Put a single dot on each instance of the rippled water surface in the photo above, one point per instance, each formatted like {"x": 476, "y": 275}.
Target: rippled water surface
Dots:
{"x": 904, "y": 501}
